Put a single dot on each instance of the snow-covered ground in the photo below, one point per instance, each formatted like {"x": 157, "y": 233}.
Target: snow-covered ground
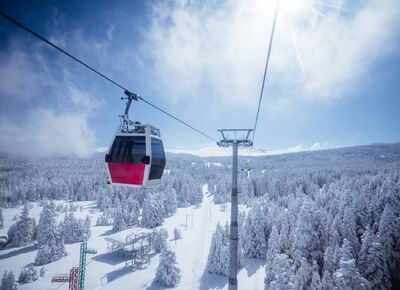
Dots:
{"x": 105, "y": 271}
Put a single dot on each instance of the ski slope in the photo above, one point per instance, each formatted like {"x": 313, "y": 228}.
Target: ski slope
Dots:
{"x": 106, "y": 271}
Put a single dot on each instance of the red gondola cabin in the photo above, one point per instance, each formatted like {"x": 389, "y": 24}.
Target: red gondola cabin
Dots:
{"x": 136, "y": 157}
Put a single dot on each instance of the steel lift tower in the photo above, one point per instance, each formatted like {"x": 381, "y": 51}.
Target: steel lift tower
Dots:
{"x": 72, "y": 278}
{"x": 230, "y": 137}
{"x": 82, "y": 264}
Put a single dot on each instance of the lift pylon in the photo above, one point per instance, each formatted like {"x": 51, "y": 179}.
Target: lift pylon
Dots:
{"x": 231, "y": 137}
{"x": 82, "y": 264}
{"x": 72, "y": 278}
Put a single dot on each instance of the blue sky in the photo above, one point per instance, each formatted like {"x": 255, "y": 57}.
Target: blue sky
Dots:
{"x": 333, "y": 78}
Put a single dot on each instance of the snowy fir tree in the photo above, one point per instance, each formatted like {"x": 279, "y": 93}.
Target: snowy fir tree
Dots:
{"x": 327, "y": 281}
{"x": 131, "y": 211}
{"x": 1, "y": 219}
{"x": 159, "y": 240}
{"x": 23, "y": 232}
{"x": 28, "y": 275}
{"x": 177, "y": 234}
{"x": 366, "y": 243}
{"x": 329, "y": 259}
{"x": 282, "y": 274}
{"x": 221, "y": 194}
{"x": 75, "y": 230}
{"x": 168, "y": 273}
{"x": 49, "y": 236}
{"x": 349, "y": 230}
{"x": 152, "y": 215}
{"x": 347, "y": 276}
{"x": 87, "y": 228}
{"x": 119, "y": 223}
{"x": 308, "y": 234}
{"x": 8, "y": 281}
{"x": 42, "y": 272}
{"x": 218, "y": 257}
{"x": 377, "y": 272}
{"x": 386, "y": 235}
{"x": 304, "y": 274}
{"x": 273, "y": 250}
{"x": 315, "y": 278}
{"x": 170, "y": 202}
{"x": 255, "y": 243}
{"x": 315, "y": 282}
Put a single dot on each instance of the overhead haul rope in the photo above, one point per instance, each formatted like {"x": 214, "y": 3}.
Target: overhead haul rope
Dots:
{"x": 19, "y": 24}
{"x": 265, "y": 69}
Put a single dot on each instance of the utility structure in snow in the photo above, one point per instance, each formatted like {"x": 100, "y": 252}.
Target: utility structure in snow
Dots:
{"x": 72, "y": 278}
{"x": 82, "y": 264}
{"x": 230, "y": 137}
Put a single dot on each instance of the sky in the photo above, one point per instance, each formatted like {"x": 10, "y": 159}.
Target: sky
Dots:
{"x": 333, "y": 78}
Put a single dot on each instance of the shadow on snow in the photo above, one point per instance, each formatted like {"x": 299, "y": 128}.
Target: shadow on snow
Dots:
{"x": 18, "y": 252}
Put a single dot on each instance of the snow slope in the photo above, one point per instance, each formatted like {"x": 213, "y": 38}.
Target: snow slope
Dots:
{"x": 105, "y": 271}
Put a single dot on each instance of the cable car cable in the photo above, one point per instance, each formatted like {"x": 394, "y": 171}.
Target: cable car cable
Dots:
{"x": 19, "y": 24}
{"x": 265, "y": 69}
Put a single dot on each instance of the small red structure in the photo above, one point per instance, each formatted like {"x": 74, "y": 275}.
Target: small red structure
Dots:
{"x": 72, "y": 278}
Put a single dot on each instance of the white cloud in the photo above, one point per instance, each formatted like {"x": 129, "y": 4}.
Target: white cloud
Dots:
{"x": 219, "y": 48}
{"x": 21, "y": 75}
{"x": 316, "y": 146}
{"x": 29, "y": 86}
{"x": 45, "y": 133}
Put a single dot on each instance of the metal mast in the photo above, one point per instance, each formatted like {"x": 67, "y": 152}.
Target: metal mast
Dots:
{"x": 82, "y": 264}
{"x": 226, "y": 141}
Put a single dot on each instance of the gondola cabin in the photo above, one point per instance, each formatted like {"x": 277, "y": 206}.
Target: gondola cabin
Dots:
{"x": 136, "y": 157}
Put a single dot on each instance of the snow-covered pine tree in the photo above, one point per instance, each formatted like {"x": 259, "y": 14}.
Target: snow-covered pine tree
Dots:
{"x": 74, "y": 230}
{"x": 218, "y": 257}
{"x": 23, "y": 231}
{"x": 316, "y": 282}
{"x": 28, "y": 275}
{"x": 315, "y": 277}
{"x": 8, "y": 281}
{"x": 1, "y": 219}
{"x": 377, "y": 272}
{"x": 329, "y": 260}
{"x": 152, "y": 215}
{"x": 386, "y": 235}
{"x": 168, "y": 273}
{"x": 284, "y": 236}
{"x": 159, "y": 240}
{"x": 366, "y": 243}
{"x": 49, "y": 236}
{"x": 308, "y": 234}
{"x": 87, "y": 228}
{"x": 282, "y": 274}
{"x": 327, "y": 281}
{"x": 42, "y": 272}
{"x": 119, "y": 220}
{"x": 255, "y": 242}
{"x": 221, "y": 194}
{"x": 347, "y": 276}
{"x": 132, "y": 211}
{"x": 273, "y": 250}
{"x": 170, "y": 202}
{"x": 349, "y": 230}
{"x": 304, "y": 274}
{"x": 177, "y": 234}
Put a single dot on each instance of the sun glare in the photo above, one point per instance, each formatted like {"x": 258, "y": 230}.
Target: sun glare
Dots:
{"x": 295, "y": 7}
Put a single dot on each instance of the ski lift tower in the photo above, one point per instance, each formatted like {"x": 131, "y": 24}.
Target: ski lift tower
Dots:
{"x": 82, "y": 264}
{"x": 234, "y": 138}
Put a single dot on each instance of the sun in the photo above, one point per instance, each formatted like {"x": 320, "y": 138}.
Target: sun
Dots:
{"x": 295, "y": 7}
